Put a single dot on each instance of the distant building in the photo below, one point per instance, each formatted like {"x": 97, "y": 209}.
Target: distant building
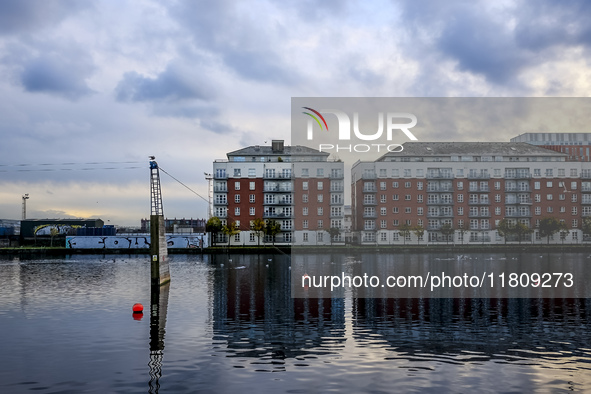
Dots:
{"x": 178, "y": 226}
{"x": 575, "y": 145}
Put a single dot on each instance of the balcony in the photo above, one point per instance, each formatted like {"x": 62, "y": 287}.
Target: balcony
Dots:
{"x": 277, "y": 176}
{"x": 269, "y": 215}
{"x": 527, "y": 201}
{"x": 440, "y": 189}
{"x": 516, "y": 190}
{"x": 220, "y": 176}
{"x": 586, "y": 202}
{"x": 479, "y": 202}
{"x": 370, "y": 215}
{"x": 222, "y": 189}
{"x": 339, "y": 175}
{"x": 440, "y": 215}
{"x": 479, "y": 190}
{"x": 370, "y": 190}
{"x": 440, "y": 202}
{"x": 439, "y": 176}
{"x": 368, "y": 176}
{"x": 517, "y": 176}
{"x": 585, "y": 175}
{"x": 478, "y": 176}
{"x": 280, "y": 201}
{"x": 479, "y": 215}
{"x": 277, "y": 189}
{"x": 220, "y": 202}
{"x": 518, "y": 215}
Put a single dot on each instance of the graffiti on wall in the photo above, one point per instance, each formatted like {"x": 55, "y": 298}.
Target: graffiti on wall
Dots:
{"x": 62, "y": 229}
{"x": 135, "y": 242}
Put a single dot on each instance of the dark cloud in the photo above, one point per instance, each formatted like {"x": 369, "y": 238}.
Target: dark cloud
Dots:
{"x": 500, "y": 44}
{"x": 248, "y": 43}
{"x": 58, "y": 74}
{"x": 17, "y": 16}
{"x": 172, "y": 85}
{"x": 217, "y": 127}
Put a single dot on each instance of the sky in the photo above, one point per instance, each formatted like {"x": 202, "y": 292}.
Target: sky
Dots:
{"x": 89, "y": 90}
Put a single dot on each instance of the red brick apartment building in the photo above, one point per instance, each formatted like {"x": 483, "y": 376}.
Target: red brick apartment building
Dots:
{"x": 294, "y": 185}
{"x": 470, "y": 186}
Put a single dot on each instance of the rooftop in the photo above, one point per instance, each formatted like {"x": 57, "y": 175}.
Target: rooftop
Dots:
{"x": 426, "y": 149}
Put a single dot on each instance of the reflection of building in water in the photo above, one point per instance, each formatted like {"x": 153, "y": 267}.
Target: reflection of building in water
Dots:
{"x": 158, "y": 309}
{"x": 493, "y": 328}
{"x": 254, "y": 312}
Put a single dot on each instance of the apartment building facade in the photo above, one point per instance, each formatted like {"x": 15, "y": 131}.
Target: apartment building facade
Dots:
{"x": 576, "y": 146}
{"x": 296, "y": 186}
{"x": 470, "y": 187}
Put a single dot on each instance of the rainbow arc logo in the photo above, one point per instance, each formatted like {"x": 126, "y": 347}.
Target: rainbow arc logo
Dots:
{"x": 315, "y": 118}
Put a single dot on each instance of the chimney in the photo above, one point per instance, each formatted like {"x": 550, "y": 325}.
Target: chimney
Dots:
{"x": 277, "y": 146}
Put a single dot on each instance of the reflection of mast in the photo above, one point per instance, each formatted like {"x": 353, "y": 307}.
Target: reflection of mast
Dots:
{"x": 158, "y": 308}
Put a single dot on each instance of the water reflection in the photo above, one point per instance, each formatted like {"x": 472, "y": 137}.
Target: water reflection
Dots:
{"x": 158, "y": 309}
{"x": 254, "y": 314}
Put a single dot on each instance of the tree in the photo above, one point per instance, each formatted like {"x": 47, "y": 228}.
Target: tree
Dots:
{"x": 505, "y": 228}
{"x": 258, "y": 226}
{"x": 549, "y": 227}
{"x": 447, "y": 230}
{"x": 230, "y": 229}
{"x": 213, "y": 226}
{"x": 419, "y": 232}
{"x": 522, "y": 229}
{"x": 53, "y": 232}
{"x": 404, "y": 230}
{"x": 333, "y": 232}
{"x": 586, "y": 225}
{"x": 272, "y": 228}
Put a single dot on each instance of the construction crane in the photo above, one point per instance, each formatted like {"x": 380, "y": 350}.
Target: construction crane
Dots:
{"x": 156, "y": 191}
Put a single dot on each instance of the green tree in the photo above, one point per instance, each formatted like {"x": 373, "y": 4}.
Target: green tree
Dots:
{"x": 419, "y": 232}
{"x": 505, "y": 228}
{"x": 53, "y": 232}
{"x": 272, "y": 228}
{"x": 333, "y": 232}
{"x": 522, "y": 229}
{"x": 258, "y": 226}
{"x": 447, "y": 230}
{"x": 213, "y": 226}
{"x": 230, "y": 229}
{"x": 549, "y": 227}
{"x": 586, "y": 225}
{"x": 404, "y": 230}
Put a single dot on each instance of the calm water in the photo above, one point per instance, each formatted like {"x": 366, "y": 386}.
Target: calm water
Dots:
{"x": 227, "y": 324}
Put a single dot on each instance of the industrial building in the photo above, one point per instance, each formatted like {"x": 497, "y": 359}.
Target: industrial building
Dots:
{"x": 470, "y": 187}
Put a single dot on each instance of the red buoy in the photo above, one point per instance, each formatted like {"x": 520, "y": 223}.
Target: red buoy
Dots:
{"x": 138, "y": 308}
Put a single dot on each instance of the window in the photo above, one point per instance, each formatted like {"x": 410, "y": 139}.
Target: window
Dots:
{"x": 573, "y": 198}
{"x": 407, "y": 185}
{"x": 383, "y": 224}
{"x": 395, "y": 197}
{"x": 305, "y": 211}
{"x": 383, "y": 211}
{"x": 561, "y": 172}
{"x": 251, "y": 198}
{"x": 538, "y": 198}
{"x": 237, "y": 198}
{"x": 407, "y": 172}
{"x": 549, "y": 184}
{"x": 394, "y": 209}
{"x": 383, "y": 236}
{"x": 550, "y": 210}
{"x": 383, "y": 173}
{"x": 497, "y": 198}
{"x": 460, "y": 198}
{"x": 320, "y": 185}
{"x": 407, "y": 210}
{"x": 575, "y": 224}
{"x": 537, "y": 172}
{"x": 420, "y": 211}
{"x": 460, "y": 211}
{"x": 573, "y": 172}
{"x": 320, "y": 236}
{"x": 382, "y": 185}
{"x": 320, "y": 172}
{"x": 305, "y": 185}
{"x": 395, "y": 222}
{"x": 382, "y": 198}
{"x": 251, "y": 185}
{"x": 538, "y": 210}
{"x": 304, "y": 198}
{"x": 305, "y": 223}
{"x": 320, "y": 197}
{"x": 395, "y": 172}
{"x": 407, "y": 197}
{"x": 497, "y": 210}
{"x": 251, "y": 172}
{"x": 574, "y": 210}
{"x": 320, "y": 223}
{"x": 549, "y": 172}
{"x": 573, "y": 185}
{"x": 395, "y": 185}
{"x": 562, "y": 209}
{"x": 305, "y": 172}
{"x": 460, "y": 185}
{"x": 497, "y": 185}
{"x": 237, "y": 185}
{"x": 419, "y": 185}
{"x": 561, "y": 197}
{"x": 251, "y": 211}
{"x": 549, "y": 197}
{"x": 237, "y": 211}
{"x": 420, "y": 198}
{"x": 305, "y": 236}
{"x": 537, "y": 185}
{"x": 320, "y": 211}
{"x": 237, "y": 237}
{"x": 395, "y": 237}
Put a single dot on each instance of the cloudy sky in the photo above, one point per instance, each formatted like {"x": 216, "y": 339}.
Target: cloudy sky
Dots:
{"x": 90, "y": 89}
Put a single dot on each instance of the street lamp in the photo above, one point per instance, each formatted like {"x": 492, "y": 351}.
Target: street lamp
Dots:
{"x": 25, "y": 198}
{"x": 209, "y": 178}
